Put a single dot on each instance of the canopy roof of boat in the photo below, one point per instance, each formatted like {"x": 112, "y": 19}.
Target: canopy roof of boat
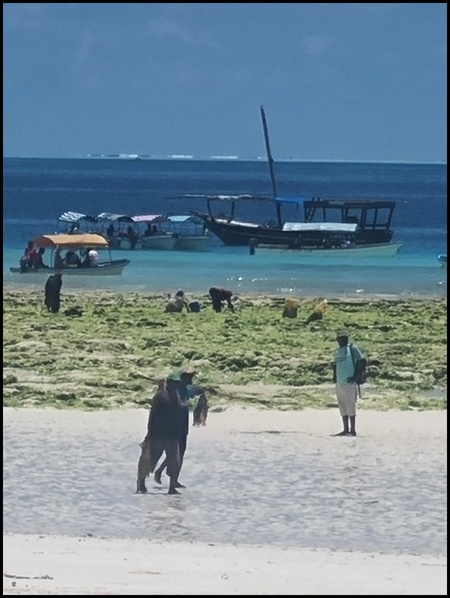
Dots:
{"x": 71, "y": 241}
{"x": 181, "y": 219}
{"x": 77, "y": 216}
{"x": 150, "y": 218}
{"x": 114, "y": 217}
{"x": 243, "y": 197}
{"x": 320, "y": 202}
{"x": 331, "y": 227}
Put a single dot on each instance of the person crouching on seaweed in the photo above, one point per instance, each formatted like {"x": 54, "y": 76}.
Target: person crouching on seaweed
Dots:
{"x": 219, "y": 296}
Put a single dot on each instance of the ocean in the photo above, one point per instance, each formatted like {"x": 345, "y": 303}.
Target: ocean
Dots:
{"x": 37, "y": 191}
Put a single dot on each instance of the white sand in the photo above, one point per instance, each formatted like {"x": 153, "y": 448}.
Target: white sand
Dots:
{"x": 63, "y": 566}
{"x": 408, "y": 442}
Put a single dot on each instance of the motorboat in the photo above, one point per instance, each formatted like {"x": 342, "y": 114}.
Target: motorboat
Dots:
{"x": 74, "y": 242}
{"x": 190, "y": 233}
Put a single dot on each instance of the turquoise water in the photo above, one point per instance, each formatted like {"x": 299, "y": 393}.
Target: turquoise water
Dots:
{"x": 37, "y": 191}
{"x": 232, "y": 267}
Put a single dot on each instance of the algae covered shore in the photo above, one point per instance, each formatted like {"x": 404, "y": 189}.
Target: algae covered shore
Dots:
{"x": 107, "y": 350}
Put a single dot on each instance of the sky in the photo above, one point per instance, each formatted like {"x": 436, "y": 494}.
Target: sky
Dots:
{"x": 338, "y": 82}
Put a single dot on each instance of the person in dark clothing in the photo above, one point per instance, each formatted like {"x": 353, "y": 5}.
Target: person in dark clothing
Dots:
{"x": 38, "y": 261}
{"x": 218, "y": 296}
{"x": 27, "y": 260}
{"x": 53, "y": 292}
{"x": 162, "y": 436}
{"x": 186, "y": 377}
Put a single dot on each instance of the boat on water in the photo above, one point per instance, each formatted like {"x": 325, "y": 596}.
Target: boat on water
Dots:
{"x": 146, "y": 231}
{"x": 345, "y": 251}
{"x": 442, "y": 259}
{"x": 373, "y": 217}
{"x": 74, "y": 242}
{"x": 154, "y": 236}
{"x": 190, "y": 233}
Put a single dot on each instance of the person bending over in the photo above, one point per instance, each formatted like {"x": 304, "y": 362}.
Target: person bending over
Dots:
{"x": 219, "y": 296}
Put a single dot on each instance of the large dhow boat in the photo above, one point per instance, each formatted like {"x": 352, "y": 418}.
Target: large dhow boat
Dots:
{"x": 73, "y": 243}
{"x": 373, "y": 218}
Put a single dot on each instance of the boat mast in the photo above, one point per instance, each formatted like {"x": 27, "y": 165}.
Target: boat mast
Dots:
{"x": 270, "y": 161}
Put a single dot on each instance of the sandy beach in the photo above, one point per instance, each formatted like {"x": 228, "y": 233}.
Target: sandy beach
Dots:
{"x": 274, "y": 504}
{"x": 62, "y": 565}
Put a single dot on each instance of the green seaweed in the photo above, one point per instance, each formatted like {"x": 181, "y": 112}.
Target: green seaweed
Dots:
{"x": 113, "y": 354}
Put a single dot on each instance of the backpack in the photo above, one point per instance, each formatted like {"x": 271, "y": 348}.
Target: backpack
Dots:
{"x": 361, "y": 371}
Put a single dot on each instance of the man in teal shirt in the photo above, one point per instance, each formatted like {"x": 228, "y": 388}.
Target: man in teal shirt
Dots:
{"x": 345, "y": 371}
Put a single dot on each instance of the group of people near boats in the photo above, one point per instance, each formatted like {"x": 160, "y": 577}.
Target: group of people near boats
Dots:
{"x": 33, "y": 258}
{"x": 219, "y": 298}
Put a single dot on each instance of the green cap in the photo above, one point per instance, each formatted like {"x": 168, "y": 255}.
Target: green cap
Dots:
{"x": 175, "y": 376}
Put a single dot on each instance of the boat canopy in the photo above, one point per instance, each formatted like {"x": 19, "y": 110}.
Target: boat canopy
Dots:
{"x": 150, "y": 218}
{"x": 331, "y": 227}
{"x": 244, "y": 197}
{"x": 71, "y": 241}
{"x": 115, "y": 217}
{"x": 77, "y": 216}
{"x": 349, "y": 203}
{"x": 179, "y": 219}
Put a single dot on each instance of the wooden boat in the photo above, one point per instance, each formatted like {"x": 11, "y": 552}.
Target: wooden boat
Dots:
{"x": 75, "y": 242}
{"x": 374, "y": 217}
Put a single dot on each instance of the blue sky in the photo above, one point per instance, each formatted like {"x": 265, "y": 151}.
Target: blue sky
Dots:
{"x": 352, "y": 82}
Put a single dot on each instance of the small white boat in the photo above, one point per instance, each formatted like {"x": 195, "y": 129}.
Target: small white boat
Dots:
{"x": 74, "y": 242}
{"x": 190, "y": 233}
{"x": 378, "y": 250}
{"x": 155, "y": 236}
{"x": 130, "y": 235}
{"x": 442, "y": 259}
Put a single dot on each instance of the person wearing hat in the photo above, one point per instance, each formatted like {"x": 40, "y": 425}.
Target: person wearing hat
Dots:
{"x": 185, "y": 392}
{"x": 162, "y": 435}
{"x": 346, "y": 359}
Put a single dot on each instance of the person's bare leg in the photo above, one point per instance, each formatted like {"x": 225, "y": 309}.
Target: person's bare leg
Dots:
{"x": 352, "y": 425}
{"x": 345, "y": 430}
{"x": 158, "y": 472}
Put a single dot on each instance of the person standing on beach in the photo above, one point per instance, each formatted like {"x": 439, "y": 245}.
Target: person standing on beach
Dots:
{"x": 347, "y": 363}
{"x": 162, "y": 436}
{"x": 185, "y": 393}
{"x": 53, "y": 292}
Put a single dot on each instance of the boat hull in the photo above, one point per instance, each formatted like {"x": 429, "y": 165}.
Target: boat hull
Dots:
{"x": 192, "y": 243}
{"x": 243, "y": 234}
{"x": 161, "y": 242}
{"x": 114, "y": 268}
{"x": 377, "y": 250}
{"x": 164, "y": 242}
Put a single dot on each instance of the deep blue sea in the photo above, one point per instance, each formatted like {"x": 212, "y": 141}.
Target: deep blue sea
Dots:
{"x": 37, "y": 191}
